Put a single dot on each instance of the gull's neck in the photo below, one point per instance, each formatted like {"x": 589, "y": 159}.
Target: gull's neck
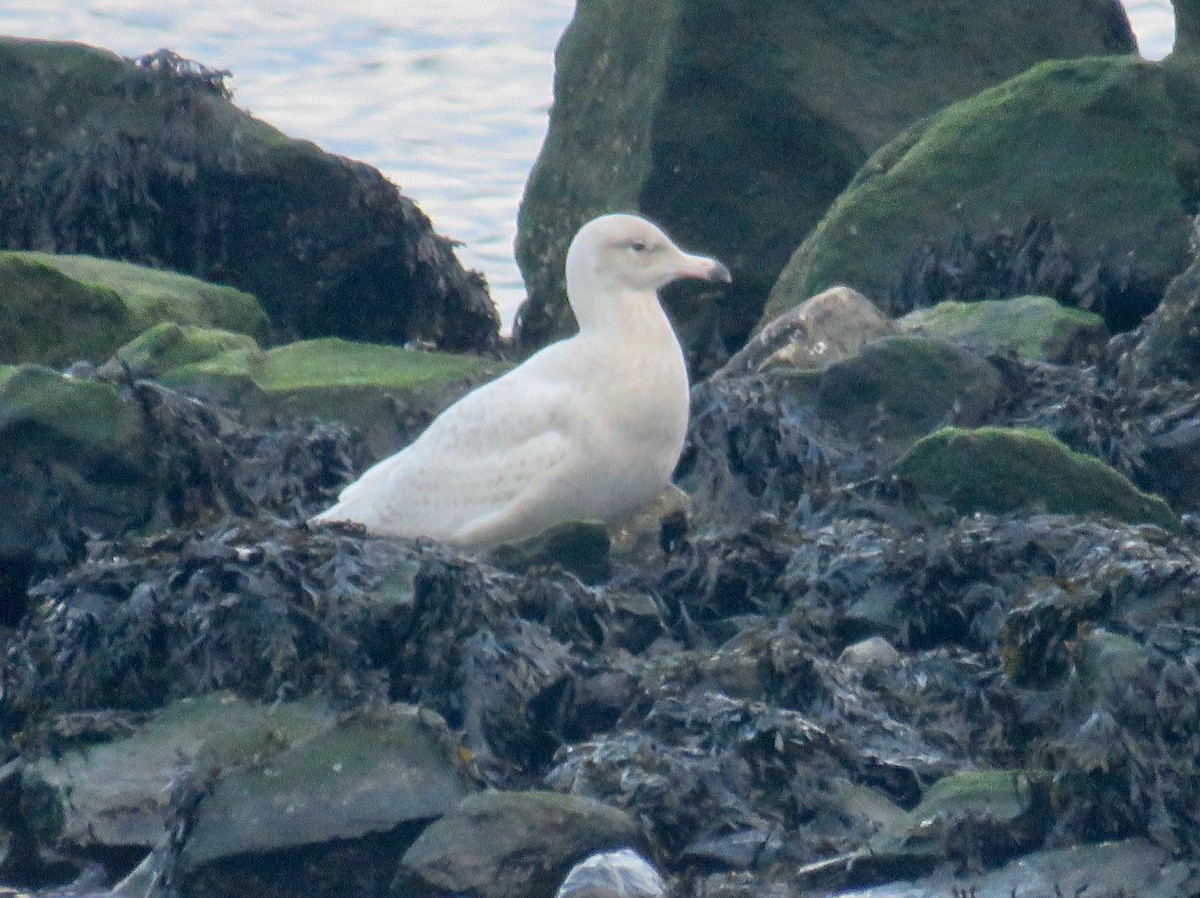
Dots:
{"x": 624, "y": 313}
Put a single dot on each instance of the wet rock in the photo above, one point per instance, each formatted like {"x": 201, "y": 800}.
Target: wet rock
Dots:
{"x": 714, "y": 778}
{"x": 1171, "y": 335}
{"x": 869, "y": 653}
{"x": 658, "y": 527}
{"x": 1000, "y": 469}
{"x": 827, "y": 328}
{"x": 1038, "y": 638}
{"x": 994, "y": 160}
{"x": 168, "y": 346}
{"x": 510, "y": 844}
{"x": 900, "y": 388}
{"x": 212, "y": 781}
{"x": 579, "y": 546}
{"x": 1032, "y": 326}
{"x": 265, "y": 610}
{"x": 1171, "y": 464}
{"x": 975, "y": 820}
{"x": 613, "y": 874}
{"x": 756, "y": 445}
{"x": 1129, "y": 867}
{"x": 652, "y": 112}
{"x": 389, "y": 392}
{"x": 513, "y": 679}
{"x": 150, "y": 162}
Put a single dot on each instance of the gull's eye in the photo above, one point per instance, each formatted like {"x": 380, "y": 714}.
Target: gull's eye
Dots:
{"x": 637, "y": 246}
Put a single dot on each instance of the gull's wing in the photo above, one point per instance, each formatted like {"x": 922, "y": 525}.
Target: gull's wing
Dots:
{"x": 482, "y": 457}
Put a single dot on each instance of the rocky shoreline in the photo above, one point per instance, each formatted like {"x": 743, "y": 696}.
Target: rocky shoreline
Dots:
{"x": 923, "y": 616}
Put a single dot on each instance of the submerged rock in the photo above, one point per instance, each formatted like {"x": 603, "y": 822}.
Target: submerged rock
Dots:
{"x": 979, "y": 201}
{"x": 736, "y": 126}
{"x": 150, "y": 162}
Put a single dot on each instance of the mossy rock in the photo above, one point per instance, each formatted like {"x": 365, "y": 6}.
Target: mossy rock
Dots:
{"x": 1001, "y": 800}
{"x": 900, "y": 388}
{"x": 59, "y": 309}
{"x": 510, "y": 844}
{"x": 386, "y": 390}
{"x": 49, "y": 318}
{"x": 82, "y": 415}
{"x": 1098, "y": 149}
{"x": 1003, "y": 470}
{"x": 1034, "y": 327}
{"x": 168, "y": 346}
{"x": 735, "y": 126}
{"x": 151, "y": 162}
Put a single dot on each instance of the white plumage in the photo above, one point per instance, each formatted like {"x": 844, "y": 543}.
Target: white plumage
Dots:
{"x": 589, "y": 428}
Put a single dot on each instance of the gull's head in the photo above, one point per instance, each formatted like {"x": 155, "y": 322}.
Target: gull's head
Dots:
{"x": 626, "y": 254}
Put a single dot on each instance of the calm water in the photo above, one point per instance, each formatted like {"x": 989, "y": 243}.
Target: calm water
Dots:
{"x": 447, "y": 97}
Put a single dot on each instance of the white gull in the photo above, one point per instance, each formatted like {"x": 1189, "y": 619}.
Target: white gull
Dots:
{"x": 588, "y": 428}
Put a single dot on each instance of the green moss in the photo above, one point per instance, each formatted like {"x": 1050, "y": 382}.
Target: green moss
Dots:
{"x": 338, "y": 363}
{"x": 168, "y": 346}
{"x": 1035, "y": 327}
{"x": 1093, "y": 145}
{"x": 47, "y": 86}
{"x": 58, "y": 309}
{"x": 332, "y": 364}
{"x": 153, "y": 296}
{"x": 50, "y": 318}
{"x": 64, "y": 408}
{"x": 995, "y": 792}
{"x": 372, "y": 386}
{"x": 1001, "y": 470}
